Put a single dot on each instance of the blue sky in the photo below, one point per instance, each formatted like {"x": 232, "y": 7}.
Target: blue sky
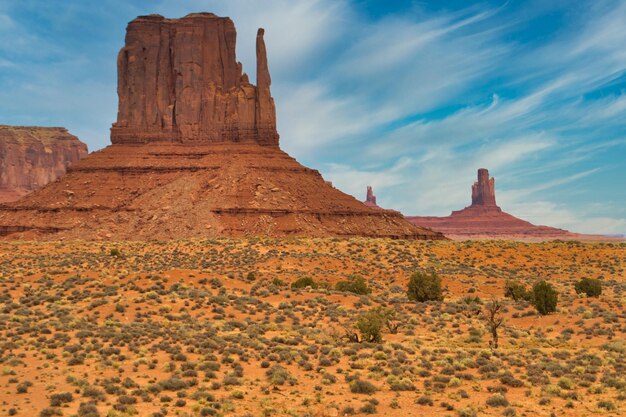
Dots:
{"x": 408, "y": 96}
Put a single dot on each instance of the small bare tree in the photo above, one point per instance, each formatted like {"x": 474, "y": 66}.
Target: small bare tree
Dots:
{"x": 494, "y": 319}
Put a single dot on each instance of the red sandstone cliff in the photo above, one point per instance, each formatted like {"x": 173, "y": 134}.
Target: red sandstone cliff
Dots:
{"x": 31, "y": 157}
{"x": 483, "y": 219}
{"x": 179, "y": 81}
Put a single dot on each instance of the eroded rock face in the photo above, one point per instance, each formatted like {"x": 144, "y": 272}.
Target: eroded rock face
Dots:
{"x": 179, "y": 81}
{"x": 483, "y": 219}
{"x": 31, "y": 157}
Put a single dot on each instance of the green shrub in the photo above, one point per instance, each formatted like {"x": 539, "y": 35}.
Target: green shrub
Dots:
{"x": 400, "y": 384}
{"x": 516, "y": 291}
{"x": 424, "y": 287}
{"x": 305, "y": 282}
{"x": 368, "y": 408}
{"x": 467, "y": 412}
{"x": 424, "y": 400}
{"x": 545, "y": 297}
{"x": 277, "y": 375}
{"x": 370, "y": 325}
{"x": 607, "y": 405}
{"x": 589, "y": 286}
{"x": 88, "y": 410}
{"x": 359, "y": 386}
{"x": 49, "y": 412}
{"x": 355, "y": 284}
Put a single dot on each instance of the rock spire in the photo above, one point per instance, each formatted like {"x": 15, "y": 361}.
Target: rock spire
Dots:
{"x": 483, "y": 190}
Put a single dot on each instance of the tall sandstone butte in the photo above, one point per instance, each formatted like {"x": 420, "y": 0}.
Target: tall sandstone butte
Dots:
{"x": 33, "y": 156}
{"x": 194, "y": 154}
{"x": 179, "y": 81}
{"x": 484, "y": 219}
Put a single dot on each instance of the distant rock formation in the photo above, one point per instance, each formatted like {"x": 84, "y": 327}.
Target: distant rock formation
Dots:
{"x": 370, "y": 198}
{"x": 484, "y": 190}
{"x": 195, "y": 154}
{"x": 483, "y": 219}
{"x": 31, "y": 157}
{"x": 179, "y": 81}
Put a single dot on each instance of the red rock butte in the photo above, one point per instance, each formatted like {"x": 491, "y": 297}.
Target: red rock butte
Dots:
{"x": 33, "y": 156}
{"x": 194, "y": 153}
{"x": 370, "y": 198}
{"x": 483, "y": 219}
{"x": 179, "y": 81}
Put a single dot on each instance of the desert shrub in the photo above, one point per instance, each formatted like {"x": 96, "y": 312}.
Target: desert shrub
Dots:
{"x": 93, "y": 392}
{"x": 497, "y": 400}
{"x": 304, "y": 282}
{"x": 424, "y": 400}
{"x": 467, "y": 412}
{"x": 173, "y": 384}
{"x": 607, "y": 405}
{"x": 400, "y": 384}
{"x": 278, "y": 375}
{"x": 545, "y": 297}
{"x": 589, "y": 286}
{"x": 368, "y": 408}
{"x": 22, "y": 387}
{"x": 516, "y": 291}
{"x": 88, "y": 410}
{"x": 49, "y": 412}
{"x": 348, "y": 411}
{"x": 278, "y": 282}
{"x": 566, "y": 383}
{"x": 115, "y": 252}
{"x": 424, "y": 287}
{"x": 370, "y": 326}
{"x": 62, "y": 398}
{"x": 354, "y": 284}
{"x": 359, "y": 386}
{"x": 509, "y": 412}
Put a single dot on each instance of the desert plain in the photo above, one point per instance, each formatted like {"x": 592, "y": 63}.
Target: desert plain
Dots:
{"x": 215, "y": 328}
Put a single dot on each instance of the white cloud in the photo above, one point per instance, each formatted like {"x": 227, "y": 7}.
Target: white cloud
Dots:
{"x": 412, "y": 103}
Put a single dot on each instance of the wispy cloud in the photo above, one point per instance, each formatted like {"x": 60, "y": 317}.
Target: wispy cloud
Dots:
{"x": 411, "y": 101}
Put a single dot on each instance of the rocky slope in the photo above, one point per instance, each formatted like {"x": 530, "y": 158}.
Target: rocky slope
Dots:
{"x": 195, "y": 154}
{"x": 484, "y": 219}
{"x": 31, "y": 157}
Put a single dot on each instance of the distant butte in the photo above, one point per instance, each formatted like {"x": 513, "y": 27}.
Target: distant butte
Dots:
{"x": 33, "y": 156}
{"x": 483, "y": 219}
{"x": 195, "y": 153}
{"x": 370, "y": 198}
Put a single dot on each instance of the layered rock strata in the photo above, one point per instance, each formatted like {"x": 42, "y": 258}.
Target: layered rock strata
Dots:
{"x": 31, "y": 157}
{"x": 195, "y": 154}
